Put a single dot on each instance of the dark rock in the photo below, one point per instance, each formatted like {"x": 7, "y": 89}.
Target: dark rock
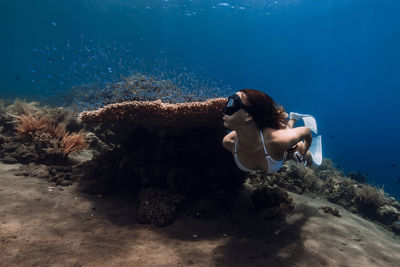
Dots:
{"x": 157, "y": 206}
{"x": 205, "y": 209}
{"x": 271, "y": 197}
{"x": 396, "y": 227}
{"x": 340, "y": 191}
{"x": 332, "y": 210}
{"x": 66, "y": 182}
{"x": 41, "y": 172}
{"x": 388, "y": 214}
{"x": 10, "y": 160}
{"x": 274, "y": 214}
{"x": 9, "y": 146}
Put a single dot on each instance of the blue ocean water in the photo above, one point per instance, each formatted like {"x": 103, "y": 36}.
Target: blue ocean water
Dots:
{"x": 337, "y": 60}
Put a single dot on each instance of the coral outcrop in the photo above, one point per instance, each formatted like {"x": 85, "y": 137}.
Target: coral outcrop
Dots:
{"x": 159, "y": 114}
{"x": 163, "y": 146}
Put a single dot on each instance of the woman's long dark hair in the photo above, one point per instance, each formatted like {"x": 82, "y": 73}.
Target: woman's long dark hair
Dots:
{"x": 264, "y": 110}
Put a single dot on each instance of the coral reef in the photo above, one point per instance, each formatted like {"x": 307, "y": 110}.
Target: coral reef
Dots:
{"x": 327, "y": 181}
{"x": 171, "y": 157}
{"x": 30, "y": 133}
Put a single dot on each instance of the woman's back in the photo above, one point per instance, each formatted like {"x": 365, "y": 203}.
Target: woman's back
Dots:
{"x": 253, "y": 154}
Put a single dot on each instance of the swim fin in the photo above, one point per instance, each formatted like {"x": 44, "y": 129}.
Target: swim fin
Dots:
{"x": 309, "y": 120}
{"x": 316, "y": 150}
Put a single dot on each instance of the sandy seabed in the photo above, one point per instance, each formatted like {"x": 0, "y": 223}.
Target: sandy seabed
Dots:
{"x": 46, "y": 225}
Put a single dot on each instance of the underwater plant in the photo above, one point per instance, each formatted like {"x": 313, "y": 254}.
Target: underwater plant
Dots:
{"x": 70, "y": 142}
{"x": 30, "y": 126}
{"x": 21, "y": 107}
{"x": 48, "y": 135}
{"x": 370, "y": 196}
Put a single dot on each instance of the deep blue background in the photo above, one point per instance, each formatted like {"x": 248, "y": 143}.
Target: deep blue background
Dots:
{"x": 335, "y": 59}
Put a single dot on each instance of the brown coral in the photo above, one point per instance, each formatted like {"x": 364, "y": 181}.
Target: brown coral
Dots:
{"x": 159, "y": 113}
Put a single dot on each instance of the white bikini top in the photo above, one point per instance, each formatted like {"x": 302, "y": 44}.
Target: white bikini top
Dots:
{"x": 273, "y": 165}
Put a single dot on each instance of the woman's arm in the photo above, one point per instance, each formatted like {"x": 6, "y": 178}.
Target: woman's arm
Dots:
{"x": 287, "y": 138}
{"x": 229, "y": 141}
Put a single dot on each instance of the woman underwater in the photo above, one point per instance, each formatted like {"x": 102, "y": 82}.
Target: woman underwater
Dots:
{"x": 261, "y": 138}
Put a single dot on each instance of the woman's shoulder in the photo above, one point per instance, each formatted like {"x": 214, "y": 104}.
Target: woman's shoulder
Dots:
{"x": 272, "y": 137}
{"x": 231, "y": 136}
{"x": 229, "y": 141}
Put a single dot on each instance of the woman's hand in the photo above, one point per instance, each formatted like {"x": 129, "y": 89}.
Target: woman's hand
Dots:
{"x": 303, "y": 155}
{"x": 309, "y": 159}
{"x": 302, "y": 148}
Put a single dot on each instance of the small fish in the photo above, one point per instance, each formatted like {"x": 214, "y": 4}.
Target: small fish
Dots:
{"x": 332, "y": 136}
{"x": 398, "y": 181}
{"x": 54, "y": 24}
{"x": 394, "y": 165}
{"x": 17, "y": 77}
